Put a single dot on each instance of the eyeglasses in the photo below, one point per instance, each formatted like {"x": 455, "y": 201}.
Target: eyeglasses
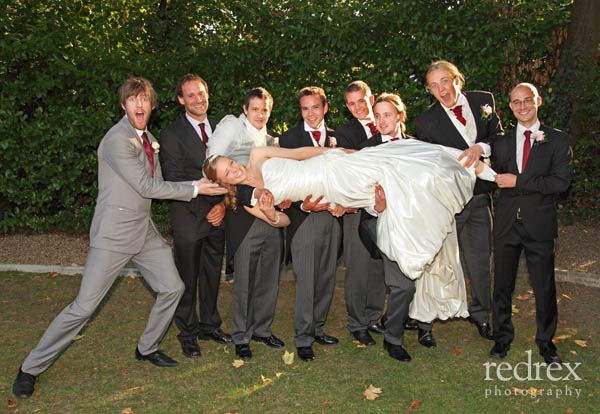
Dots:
{"x": 524, "y": 102}
{"x": 444, "y": 82}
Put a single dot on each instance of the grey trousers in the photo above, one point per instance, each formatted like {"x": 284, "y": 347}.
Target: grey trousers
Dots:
{"x": 474, "y": 227}
{"x": 256, "y": 282}
{"x": 364, "y": 285}
{"x": 102, "y": 267}
{"x": 314, "y": 252}
{"x": 402, "y": 291}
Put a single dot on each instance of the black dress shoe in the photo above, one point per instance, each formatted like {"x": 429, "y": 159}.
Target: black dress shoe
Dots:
{"x": 426, "y": 338}
{"x": 326, "y": 340}
{"x": 305, "y": 353}
{"x": 483, "y": 328}
{"x": 190, "y": 348}
{"x": 158, "y": 358}
{"x": 24, "y": 384}
{"x": 363, "y": 337}
{"x": 396, "y": 351}
{"x": 243, "y": 351}
{"x": 218, "y": 336}
{"x": 376, "y": 328}
{"x": 411, "y": 325}
{"x": 550, "y": 355}
{"x": 499, "y": 350}
{"x": 271, "y": 341}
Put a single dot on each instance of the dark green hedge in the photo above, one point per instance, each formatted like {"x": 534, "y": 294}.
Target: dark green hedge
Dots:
{"x": 62, "y": 61}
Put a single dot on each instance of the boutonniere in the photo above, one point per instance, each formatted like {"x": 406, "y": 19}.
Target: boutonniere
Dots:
{"x": 486, "y": 111}
{"x": 155, "y": 146}
{"x": 332, "y": 142}
{"x": 540, "y": 137}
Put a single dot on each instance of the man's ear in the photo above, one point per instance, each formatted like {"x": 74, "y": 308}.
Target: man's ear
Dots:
{"x": 245, "y": 110}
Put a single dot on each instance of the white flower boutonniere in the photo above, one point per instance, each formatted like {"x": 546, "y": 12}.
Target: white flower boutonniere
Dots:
{"x": 486, "y": 111}
{"x": 540, "y": 137}
{"x": 155, "y": 147}
{"x": 332, "y": 142}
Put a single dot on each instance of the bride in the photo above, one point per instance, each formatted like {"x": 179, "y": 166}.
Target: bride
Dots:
{"x": 425, "y": 186}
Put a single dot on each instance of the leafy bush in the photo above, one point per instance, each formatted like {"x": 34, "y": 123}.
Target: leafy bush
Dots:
{"x": 61, "y": 63}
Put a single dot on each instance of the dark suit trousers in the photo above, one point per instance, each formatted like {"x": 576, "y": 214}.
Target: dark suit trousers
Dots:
{"x": 256, "y": 282}
{"x": 474, "y": 227}
{"x": 540, "y": 263}
{"x": 402, "y": 290}
{"x": 199, "y": 259}
{"x": 364, "y": 286}
{"x": 314, "y": 252}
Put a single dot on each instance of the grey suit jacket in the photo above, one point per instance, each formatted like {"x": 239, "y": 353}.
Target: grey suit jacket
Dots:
{"x": 126, "y": 188}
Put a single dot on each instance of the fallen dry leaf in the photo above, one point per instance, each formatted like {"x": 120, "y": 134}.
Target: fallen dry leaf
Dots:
{"x": 372, "y": 392}
{"x": 266, "y": 380}
{"x": 361, "y": 346}
{"x": 570, "y": 411}
{"x": 522, "y": 297}
{"x": 237, "y": 363}
{"x": 514, "y": 309}
{"x": 562, "y": 322}
{"x": 566, "y": 296}
{"x": 127, "y": 411}
{"x": 413, "y": 405}
{"x": 52, "y": 274}
{"x": 11, "y": 403}
{"x": 225, "y": 349}
{"x": 356, "y": 342}
{"x": 560, "y": 338}
{"x": 533, "y": 391}
{"x": 288, "y": 358}
{"x": 47, "y": 298}
{"x": 581, "y": 343}
{"x": 133, "y": 389}
{"x": 573, "y": 352}
{"x": 278, "y": 374}
{"x": 78, "y": 337}
{"x": 456, "y": 351}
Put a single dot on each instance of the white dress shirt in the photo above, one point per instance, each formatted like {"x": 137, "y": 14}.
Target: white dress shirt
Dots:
{"x": 521, "y": 140}
{"x": 468, "y": 131}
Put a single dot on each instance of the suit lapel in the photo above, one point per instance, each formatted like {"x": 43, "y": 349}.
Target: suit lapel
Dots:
{"x": 453, "y": 137}
{"x": 512, "y": 151}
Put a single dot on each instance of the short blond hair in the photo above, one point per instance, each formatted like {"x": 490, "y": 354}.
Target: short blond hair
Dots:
{"x": 394, "y": 100}
{"x": 448, "y": 67}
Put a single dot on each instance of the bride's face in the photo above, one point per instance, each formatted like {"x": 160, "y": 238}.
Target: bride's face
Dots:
{"x": 230, "y": 171}
{"x": 387, "y": 119}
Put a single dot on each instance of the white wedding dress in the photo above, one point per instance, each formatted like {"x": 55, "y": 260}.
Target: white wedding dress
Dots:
{"x": 425, "y": 186}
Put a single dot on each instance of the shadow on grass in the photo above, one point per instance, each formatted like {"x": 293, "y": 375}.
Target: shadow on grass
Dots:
{"x": 98, "y": 372}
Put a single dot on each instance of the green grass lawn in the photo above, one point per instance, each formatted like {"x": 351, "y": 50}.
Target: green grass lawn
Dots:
{"x": 99, "y": 374}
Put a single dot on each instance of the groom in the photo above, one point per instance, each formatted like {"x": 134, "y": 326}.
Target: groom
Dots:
{"x": 129, "y": 176}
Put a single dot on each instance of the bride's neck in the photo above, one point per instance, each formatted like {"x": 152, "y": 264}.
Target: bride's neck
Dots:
{"x": 253, "y": 177}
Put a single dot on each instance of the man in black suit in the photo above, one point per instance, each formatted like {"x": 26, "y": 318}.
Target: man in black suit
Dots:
{"x": 313, "y": 235}
{"x": 534, "y": 165}
{"x": 364, "y": 285}
{"x": 198, "y": 236}
{"x": 467, "y": 121}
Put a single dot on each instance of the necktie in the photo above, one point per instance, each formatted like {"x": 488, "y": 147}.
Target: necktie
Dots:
{"x": 316, "y": 136}
{"x": 149, "y": 151}
{"x": 204, "y": 135}
{"x": 372, "y": 127}
{"x": 458, "y": 112}
{"x": 526, "y": 149}
{"x": 394, "y": 139}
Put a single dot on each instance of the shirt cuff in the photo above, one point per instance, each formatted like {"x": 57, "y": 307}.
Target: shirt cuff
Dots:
{"x": 195, "y": 191}
{"x": 487, "y": 150}
{"x": 253, "y": 199}
{"x": 372, "y": 211}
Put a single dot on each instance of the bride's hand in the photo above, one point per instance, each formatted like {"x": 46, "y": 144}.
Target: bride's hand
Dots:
{"x": 266, "y": 205}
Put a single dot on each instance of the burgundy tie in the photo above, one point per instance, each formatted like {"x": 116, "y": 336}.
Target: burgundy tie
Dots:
{"x": 316, "y": 136}
{"x": 526, "y": 149}
{"x": 394, "y": 139}
{"x": 458, "y": 112}
{"x": 372, "y": 127}
{"x": 204, "y": 135}
{"x": 149, "y": 151}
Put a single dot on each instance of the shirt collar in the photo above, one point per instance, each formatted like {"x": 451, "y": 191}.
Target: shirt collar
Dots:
{"x": 534, "y": 128}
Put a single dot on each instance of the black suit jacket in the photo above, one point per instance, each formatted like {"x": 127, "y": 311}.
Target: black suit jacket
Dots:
{"x": 295, "y": 138}
{"x": 351, "y": 135}
{"x": 435, "y": 126}
{"x": 548, "y": 173}
{"x": 182, "y": 154}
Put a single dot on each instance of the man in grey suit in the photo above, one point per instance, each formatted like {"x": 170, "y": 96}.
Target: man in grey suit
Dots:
{"x": 129, "y": 176}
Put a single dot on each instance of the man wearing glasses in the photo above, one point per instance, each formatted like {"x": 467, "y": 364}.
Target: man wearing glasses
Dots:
{"x": 467, "y": 121}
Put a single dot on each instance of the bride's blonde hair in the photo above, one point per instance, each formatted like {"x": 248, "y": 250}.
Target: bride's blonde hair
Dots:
{"x": 394, "y": 100}
{"x": 210, "y": 171}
